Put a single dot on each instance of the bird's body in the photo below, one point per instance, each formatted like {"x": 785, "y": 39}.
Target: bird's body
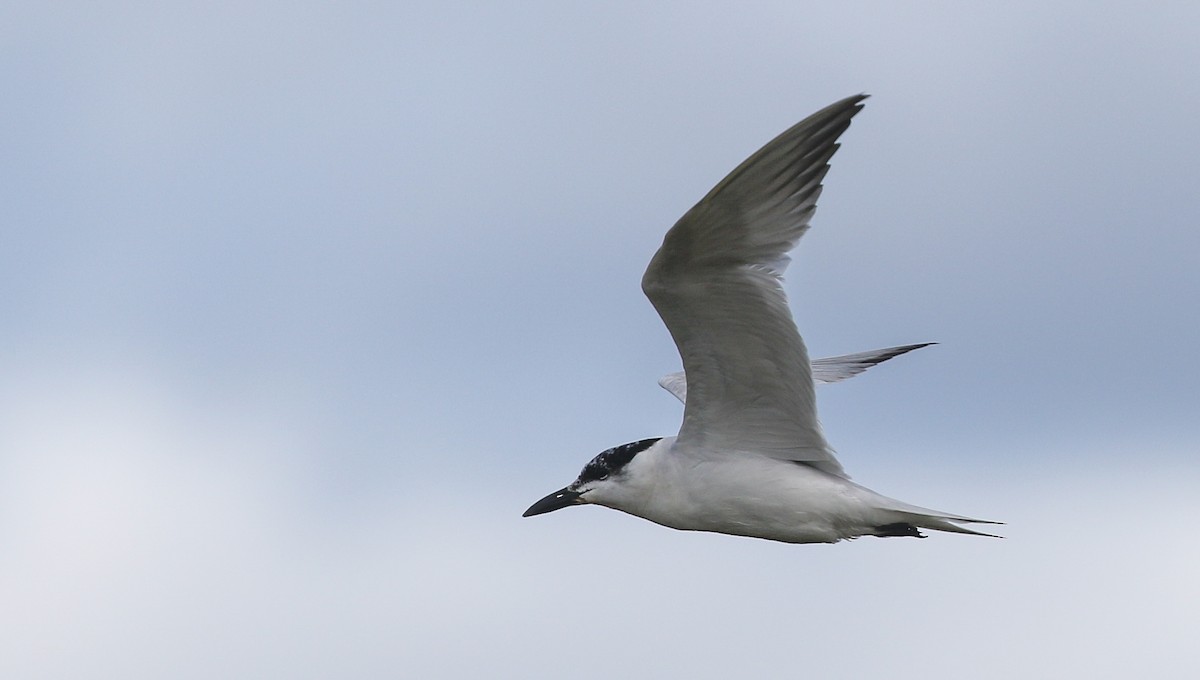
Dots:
{"x": 750, "y": 458}
{"x": 746, "y": 494}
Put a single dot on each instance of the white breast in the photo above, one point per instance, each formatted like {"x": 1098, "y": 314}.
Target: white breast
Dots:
{"x": 748, "y": 495}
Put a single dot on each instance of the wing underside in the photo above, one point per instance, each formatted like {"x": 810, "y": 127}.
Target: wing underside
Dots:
{"x": 716, "y": 283}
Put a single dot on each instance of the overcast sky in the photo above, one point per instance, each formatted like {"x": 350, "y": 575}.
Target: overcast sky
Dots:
{"x": 302, "y": 305}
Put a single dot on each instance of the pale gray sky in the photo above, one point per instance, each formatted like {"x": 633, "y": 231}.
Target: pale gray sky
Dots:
{"x": 302, "y": 305}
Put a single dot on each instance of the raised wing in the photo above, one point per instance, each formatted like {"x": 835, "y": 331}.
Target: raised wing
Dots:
{"x": 835, "y": 369}
{"x": 716, "y": 283}
{"x": 824, "y": 371}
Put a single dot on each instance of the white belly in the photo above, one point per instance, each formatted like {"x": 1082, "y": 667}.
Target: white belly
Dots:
{"x": 763, "y": 498}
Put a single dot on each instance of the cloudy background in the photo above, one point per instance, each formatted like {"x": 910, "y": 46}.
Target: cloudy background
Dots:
{"x": 301, "y": 305}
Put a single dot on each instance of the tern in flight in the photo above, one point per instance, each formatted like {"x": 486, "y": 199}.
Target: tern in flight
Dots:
{"x": 750, "y": 458}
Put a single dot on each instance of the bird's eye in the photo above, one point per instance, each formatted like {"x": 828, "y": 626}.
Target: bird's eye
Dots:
{"x": 603, "y": 477}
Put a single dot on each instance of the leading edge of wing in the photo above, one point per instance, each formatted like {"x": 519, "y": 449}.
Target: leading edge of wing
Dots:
{"x": 716, "y": 284}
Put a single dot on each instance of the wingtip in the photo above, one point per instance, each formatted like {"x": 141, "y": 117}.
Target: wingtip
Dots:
{"x": 859, "y": 98}
{"x": 905, "y": 349}
{"x": 851, "y": 105}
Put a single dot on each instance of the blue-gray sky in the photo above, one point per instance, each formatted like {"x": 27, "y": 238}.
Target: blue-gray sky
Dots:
{"x": 302, "y": 305}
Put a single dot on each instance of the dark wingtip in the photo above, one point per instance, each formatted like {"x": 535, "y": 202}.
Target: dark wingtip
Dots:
{"x": 892, "y": 353}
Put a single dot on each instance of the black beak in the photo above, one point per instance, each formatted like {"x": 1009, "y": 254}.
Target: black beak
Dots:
{"x": 555, "y": 501}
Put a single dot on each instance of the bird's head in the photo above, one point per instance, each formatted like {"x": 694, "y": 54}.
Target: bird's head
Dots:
{"x": 604, "y": 480}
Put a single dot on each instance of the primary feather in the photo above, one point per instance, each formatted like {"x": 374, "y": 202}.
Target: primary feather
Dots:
{"x": 824, "y": 371}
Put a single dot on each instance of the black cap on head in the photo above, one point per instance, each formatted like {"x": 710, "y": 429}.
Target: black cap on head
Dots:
{"x": 611, "y": 461}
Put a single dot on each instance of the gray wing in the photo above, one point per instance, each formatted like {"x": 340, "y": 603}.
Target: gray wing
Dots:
{"x": 824, "y": 371}
{"x": 716, "y": 283}
{"x": 834, "y": 369}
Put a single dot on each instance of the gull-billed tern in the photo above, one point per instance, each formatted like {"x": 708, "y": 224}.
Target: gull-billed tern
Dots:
{"x": 750, "y": 458}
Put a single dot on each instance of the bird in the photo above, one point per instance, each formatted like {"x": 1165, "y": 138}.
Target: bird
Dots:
{"x": 750, "y": 458}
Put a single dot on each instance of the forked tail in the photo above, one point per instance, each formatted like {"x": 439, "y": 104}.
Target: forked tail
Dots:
{"x": 913, "y": 522}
